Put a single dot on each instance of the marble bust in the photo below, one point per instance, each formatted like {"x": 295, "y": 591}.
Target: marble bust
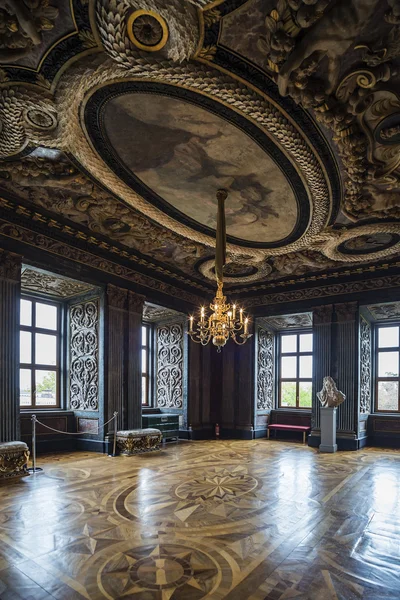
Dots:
{"x": 330, "y": 396}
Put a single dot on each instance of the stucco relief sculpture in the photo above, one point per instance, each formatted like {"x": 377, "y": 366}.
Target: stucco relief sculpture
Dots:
{"x": 318, "y": 53}
{"x": 330, "y": 396}
{"x": 21, "y": 24}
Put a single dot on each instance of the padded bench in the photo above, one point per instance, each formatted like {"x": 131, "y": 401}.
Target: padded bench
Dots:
{"x": 13, "y": 459}
{"x": 133, "y": 441}
{"x": 280, "y": 427}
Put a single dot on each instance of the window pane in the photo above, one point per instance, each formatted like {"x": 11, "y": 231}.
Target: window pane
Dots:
{"x": 388, "y": 364}
{"x": 25, "y": 347}
{"x": 25, "y": 392}
{"x": 388, "y": 337}
{"x": 288, "y": 393}
{"x": 144, "y": 361}
{"x": 144, "y": 390}
{"x": 144, "y": 336}
{"x": 305, "y": 389}
{"x": 289, "y": 343}
{"x": 46, "y": 316}
{"x": 306, "y": 367}
{"x": 289, "y": 367}
{"x": 46, "y": 388}
{"x": 26, "y": 313}
{"x": 306, "y": 342}
{"x": 388, "y": 395}
{"x": 46, "y": 349}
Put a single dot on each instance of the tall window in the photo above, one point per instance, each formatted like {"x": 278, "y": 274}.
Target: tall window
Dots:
{"x": 295, "y": 370}
{"x": 39, "y": 353}
{"x": 387, "y": 397}
{"x": 146, "y": 364}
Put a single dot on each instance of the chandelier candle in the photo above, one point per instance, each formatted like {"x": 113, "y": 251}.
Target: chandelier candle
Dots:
{"x": 222, "y": 323}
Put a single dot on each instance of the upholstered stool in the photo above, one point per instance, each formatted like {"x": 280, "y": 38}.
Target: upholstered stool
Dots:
{"x": 133, "y": 441}
{"x": 13, "y": 459}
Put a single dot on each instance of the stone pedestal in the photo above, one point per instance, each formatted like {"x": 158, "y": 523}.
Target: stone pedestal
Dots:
{"x": 328, "y": 430}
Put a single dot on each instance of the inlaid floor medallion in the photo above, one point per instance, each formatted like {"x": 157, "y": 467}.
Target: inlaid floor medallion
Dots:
{"x": 215, "y": 520}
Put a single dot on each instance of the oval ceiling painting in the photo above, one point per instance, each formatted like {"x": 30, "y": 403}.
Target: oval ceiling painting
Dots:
{"x": 178, "y": 154}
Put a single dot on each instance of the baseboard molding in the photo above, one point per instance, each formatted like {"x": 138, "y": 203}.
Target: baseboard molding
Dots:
{"x": 379, "y": 441}
{"x": 342, "y": 443}
{"x": 47, "y": 446}
{"x": 260, "y": 433}
{"x": 236, "y": 434}
{"x": 102, "y": 446}
{"x": 200, "y": 434}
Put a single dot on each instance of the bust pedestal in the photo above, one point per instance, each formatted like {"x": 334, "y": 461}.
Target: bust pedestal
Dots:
{"x": 328, "y": 430}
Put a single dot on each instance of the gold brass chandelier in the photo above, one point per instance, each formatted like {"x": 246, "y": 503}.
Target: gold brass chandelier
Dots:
{"x": 226, "y": 320}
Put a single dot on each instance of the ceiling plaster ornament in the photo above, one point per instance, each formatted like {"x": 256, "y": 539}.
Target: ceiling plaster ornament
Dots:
{"x": 49, "y": 284}
{"x": 295, "y": 321}
{"x": 381, "y": 312}
{"x": 21, "y": 24}
{"x": 72, "y": 195}
{"x": 72, "y": 91}
{"x": 153, "y": 313}
{"x": 263, "y": 269}
{"x": 296, "y": 47}
{"x": 147, "y": 30}
{"x": 24, "y": 114}
{"x": 332, "y": 251}
{"x": 71, "y": 252}
{"x": 178, "y": 19}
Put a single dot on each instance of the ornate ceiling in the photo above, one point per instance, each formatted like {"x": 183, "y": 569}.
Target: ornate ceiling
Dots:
{"x": 119, "y": 120}
{"x": 51, "y": 285}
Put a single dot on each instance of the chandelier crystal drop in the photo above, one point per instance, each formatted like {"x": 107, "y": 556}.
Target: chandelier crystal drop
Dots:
{"x": 226, "y": 320}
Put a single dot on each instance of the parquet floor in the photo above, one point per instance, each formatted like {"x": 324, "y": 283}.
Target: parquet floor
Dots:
{"x": 235, "y": 520}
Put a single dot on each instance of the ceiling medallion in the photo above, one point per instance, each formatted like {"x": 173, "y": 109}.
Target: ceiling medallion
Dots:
{"x": 223, "y": 323}
{"x": 147, "y": 30}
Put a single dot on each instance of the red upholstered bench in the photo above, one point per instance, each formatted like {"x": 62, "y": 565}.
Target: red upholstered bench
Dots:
{"x": 305, "y": 429}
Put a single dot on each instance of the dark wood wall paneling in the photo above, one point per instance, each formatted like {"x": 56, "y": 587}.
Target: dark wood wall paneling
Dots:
{"x": 123, "y": 342}
{"x": 10, "y": 288}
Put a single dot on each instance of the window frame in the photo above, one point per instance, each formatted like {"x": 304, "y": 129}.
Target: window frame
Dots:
{"x": 146, "y": 375}
{"x": 298, "y": 379}
{"x": 377, "y": 378}
{"x": 33, "y": 366}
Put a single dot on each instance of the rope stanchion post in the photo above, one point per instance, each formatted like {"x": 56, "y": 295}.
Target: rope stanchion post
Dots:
{"x": 114, "y": 452}
{"x": 34, "y": 468}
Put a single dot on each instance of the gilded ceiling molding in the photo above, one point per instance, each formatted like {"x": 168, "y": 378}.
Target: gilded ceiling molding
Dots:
{"x": 92, "y": 240}
{"x": 43, "y": 242}
{"x": 390, "y": 281}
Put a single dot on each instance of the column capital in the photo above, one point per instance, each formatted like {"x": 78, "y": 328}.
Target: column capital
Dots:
{"x": 117, "y": 297}
{"x": 322, "y": 315}
{"x": 10, "y": 265}
{"x": 135, "y": 302}
{"x": 346, "y": 311}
